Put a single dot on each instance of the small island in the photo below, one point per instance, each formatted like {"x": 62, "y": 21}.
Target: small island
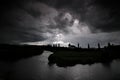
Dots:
{"x": 76, "y": 55}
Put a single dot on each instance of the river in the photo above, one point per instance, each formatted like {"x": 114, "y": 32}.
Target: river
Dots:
{"x": 37, "y": 68}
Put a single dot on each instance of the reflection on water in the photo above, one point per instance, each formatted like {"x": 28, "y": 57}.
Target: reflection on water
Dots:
{"x": 37, "y": 68}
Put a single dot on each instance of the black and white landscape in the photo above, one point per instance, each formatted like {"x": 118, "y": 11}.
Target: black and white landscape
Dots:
{"x": 59, "y": 40}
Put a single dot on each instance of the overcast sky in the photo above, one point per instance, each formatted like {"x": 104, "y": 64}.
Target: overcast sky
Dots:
{"x": 63, "y": 21}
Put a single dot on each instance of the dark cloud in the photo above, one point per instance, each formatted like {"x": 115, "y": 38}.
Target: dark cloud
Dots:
{"x": 26, "y": 21}
{"x": 105, "y": 15}
{"x": 98, "y": 14}
{"x": 17, "y": 23}
{"x": 38, "y": 20}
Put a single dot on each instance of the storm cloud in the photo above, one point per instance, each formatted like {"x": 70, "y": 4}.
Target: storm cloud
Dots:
{"x": 43, "y": 20}
{"x": 98, "y": 14}
{"x": 25, "y": 21}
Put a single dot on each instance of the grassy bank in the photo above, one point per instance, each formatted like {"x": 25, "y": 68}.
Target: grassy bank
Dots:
{"x": 72, "y": 57}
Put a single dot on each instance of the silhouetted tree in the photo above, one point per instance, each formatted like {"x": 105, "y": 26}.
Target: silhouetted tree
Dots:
{"x": 109, "y": 44}
{"x": 112, "y": 44}
{"x": 99, "y": 46}
{"x": 54, "y": 45}
{"x": 78, "y": 45}
{"x": 69, "y": 45}
{"x": 88, "y": 46}
{"x": 58, "y": 45}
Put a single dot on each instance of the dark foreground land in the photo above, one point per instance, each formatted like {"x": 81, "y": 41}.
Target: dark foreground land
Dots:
{"x": 62, "y": 56}
{"x": 17, "y": 52}
{"x": 72, "y": 56}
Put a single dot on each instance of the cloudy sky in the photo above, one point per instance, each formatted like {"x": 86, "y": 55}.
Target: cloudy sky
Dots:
{"x": 60, "y": 21}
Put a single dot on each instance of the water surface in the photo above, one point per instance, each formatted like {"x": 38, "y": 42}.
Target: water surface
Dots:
{"x": 37, "y": 68}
